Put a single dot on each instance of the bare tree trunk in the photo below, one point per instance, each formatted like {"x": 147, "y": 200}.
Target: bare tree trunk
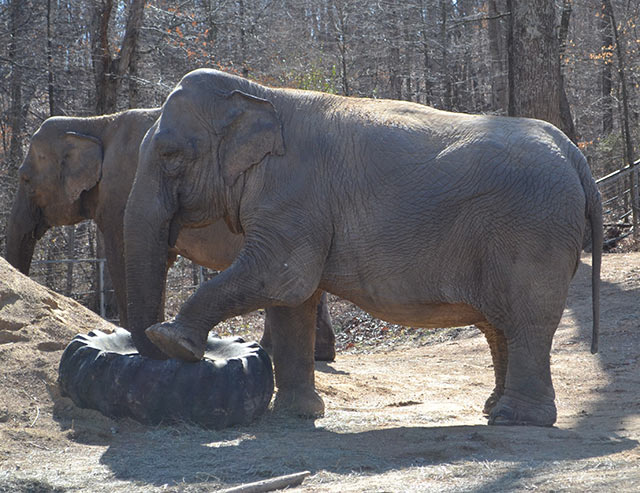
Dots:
{"x": 563, "y": 31}
{"x": 607, "y": 76}
{"x": 212, "y": 22}
{"x": 395, "y": 81}
{"x": 50, "y": 76}
{"x": 534, "y": 64}
{"x": 425, "y": 53}
{"x": 565, "y": 110}
{"x": 134, "y": 85}
{"x": 407, "y": 66}
{"x": 444, "y": 55}
{"x": 16, "y": 109}
{"x": 109, "y": 69}
{"x": 243, "y": 39}
{"x": 339, "y": 24}
{"x": 104, "y": 78}
{"x": 498, "y": 78}
{"x": 626, "y": 134}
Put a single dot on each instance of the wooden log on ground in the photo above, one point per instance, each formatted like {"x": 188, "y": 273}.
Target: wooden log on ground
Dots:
{"x": 271, "y": 484}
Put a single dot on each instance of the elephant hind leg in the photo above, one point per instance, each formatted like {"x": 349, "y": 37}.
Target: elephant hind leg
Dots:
{"x": 325, "y": 349}
{"x": 499, "y": 355}
{"x": 526, "y": 307}
{"x": 325, "y": 346}
{"x": 528, "y": 398}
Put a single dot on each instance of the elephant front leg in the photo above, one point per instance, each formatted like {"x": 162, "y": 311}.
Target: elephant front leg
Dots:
{"x": 293, "y": 336}
{"x": 232, "y": 292}
{"x": 498, "y": 347}
{"x": 242, "y": 288}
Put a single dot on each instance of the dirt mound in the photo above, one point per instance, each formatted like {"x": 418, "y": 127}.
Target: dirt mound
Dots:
{"x": 35, "y": 326}
{"x": 402, "y": 415}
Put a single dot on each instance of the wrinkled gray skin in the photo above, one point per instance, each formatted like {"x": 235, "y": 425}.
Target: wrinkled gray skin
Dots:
{"x": 83, "y": 168}
{"x": 421, "y": 217}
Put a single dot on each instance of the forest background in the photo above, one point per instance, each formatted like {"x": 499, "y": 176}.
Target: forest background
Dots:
{"x": 575, "y": 63}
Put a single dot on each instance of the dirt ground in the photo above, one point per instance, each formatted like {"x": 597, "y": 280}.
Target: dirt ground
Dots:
{"x": 403, "y": 414}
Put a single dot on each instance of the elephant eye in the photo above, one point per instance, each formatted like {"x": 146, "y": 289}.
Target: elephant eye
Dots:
{"x": 167, "y": 149}
{"x": 172, "y": 161}
{"x": 168, "y": 155}
{"x": 187, "y": 150}
{"x": 165, "y": 144}
{"x": 172, "y": 165}
{"x": 174, "y": 151}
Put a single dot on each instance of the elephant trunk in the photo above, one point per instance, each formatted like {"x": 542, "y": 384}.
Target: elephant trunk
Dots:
{"x": 146, "y": 235}
{"x": 25, "y": 227}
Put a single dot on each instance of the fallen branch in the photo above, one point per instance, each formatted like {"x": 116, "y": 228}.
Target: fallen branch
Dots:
{"x": 36, "y": 418}
{"x": 271, "y": 484}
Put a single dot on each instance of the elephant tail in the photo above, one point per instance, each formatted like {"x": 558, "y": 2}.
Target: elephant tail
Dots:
{"x": 594, "y": 216}
{"x": 597, "y": 236}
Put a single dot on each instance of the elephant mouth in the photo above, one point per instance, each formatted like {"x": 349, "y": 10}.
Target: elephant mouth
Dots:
{"x": 40, "y": 225}
{"x": 35, "y": 226}
{"x": 174, "y": 229}
{"x": 181, "y": 219}
{"x": 41, "y": 228}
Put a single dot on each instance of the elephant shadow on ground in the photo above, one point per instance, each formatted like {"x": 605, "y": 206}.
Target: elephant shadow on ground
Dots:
{"x": 275, "y": 446}
{"x": 325, "y": 367}
{"x": 619, "y": 347}
{"x": 610, "y": 405}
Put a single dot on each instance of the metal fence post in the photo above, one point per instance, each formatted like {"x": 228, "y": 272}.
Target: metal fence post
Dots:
{"x": 635, "y": 201}
{"x": 103, "y": 312}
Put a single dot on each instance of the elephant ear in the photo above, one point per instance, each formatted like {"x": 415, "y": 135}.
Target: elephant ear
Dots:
{"x": 251, "y": 130}
{"x": 82, "y": 163}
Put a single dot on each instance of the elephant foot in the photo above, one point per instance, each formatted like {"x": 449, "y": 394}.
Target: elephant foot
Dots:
{"x": 146, "y": 348}
{"x": 492, "y": 401}
{"x": 175, "y": 342}
{"x": 299, "y": 402}
{"x": 325, "y": 352}
{"x": 510, "y": 411}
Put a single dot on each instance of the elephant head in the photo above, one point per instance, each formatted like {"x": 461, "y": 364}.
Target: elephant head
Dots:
{"x": 59, "y": 167}
{"x": 190, "y": 173}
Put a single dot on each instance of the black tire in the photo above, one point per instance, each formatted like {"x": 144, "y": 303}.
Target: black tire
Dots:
{"x": 233, "y": 384}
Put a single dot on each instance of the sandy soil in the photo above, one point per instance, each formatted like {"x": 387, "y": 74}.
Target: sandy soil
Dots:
{"x": 402, "y": 415}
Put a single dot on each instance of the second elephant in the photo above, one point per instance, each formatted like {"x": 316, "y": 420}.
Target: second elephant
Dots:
{"x": 83, "y": 168}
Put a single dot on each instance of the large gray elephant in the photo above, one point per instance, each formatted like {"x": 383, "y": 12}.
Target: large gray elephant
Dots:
{"x": 83, "y": 168}
{"x": 422, "y": 217}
